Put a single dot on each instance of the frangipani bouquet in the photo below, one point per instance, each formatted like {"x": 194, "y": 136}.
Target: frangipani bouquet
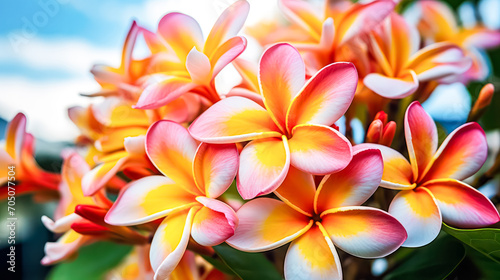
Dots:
{"x": 267, "y": 180}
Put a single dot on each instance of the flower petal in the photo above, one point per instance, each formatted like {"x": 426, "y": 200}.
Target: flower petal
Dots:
{"x": 325, "y": 97}
{"x": 362, "y": 18}
{"x": 439, "y": 60}
{"x": 264, "y": 164}
{"x": 319, "y": 149}
{"x": 226, "y": 53}
{"x": 171, "y": 149}
{"x": 313, "y": 256}
{"x": 214, "y": 223}
{"x": 298, "y": 191}
{"x": 304, "y": 14}
{"x": 181, "y": 32}
{"x": 393, "y": 88}
{"x": 364, "y": 231}
{"x": 199, "y": 67}
{"x": 421, "y": 137}
{"x": 215, "y": 167}
{"x": 170, "y": 242}
{"x": 228, "y": 25}
{"x": 461, "y": 205}
{"x": 96, "y": 178}
{"x": 160, "y": 93}
{"x": 14, "y": 135}
{"x": 265, "y": 224}
{"x": 281, "y": 75}
{"x": 353, "y": 185}
{"x": 418, "y": 212}
{"x": 65, "y": 247}
{"x": 397, "y": 170}
{"x": 461, "y": 155}
{"x": 148, "y": 199}
{"x": 234, "y": 119}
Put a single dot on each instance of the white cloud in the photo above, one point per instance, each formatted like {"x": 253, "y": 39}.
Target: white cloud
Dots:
{"x": 74, "y": 56}
{"x": 45, "y": 104}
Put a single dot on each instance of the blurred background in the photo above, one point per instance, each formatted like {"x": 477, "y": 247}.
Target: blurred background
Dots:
{"x": 48, "y": 46}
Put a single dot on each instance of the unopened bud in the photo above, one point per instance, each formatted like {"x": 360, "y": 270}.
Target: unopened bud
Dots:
{"x": 482, "y": 103}
{"x": 374, "y": 132}
{"x": 388, "y": 134}
{"x": 381, "y": 116}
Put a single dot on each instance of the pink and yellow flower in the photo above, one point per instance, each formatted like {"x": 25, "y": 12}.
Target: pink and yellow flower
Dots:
{"x": 195, "y": 175}
{"x": 437, "y": 23}
{"x": 430, "y": 184}
{"x": 189, "y": 63}
{"x": 316, "y": 221}
{"x": 401, "y": 65}
{"x": 17, "y": 156}
{"x": 80, "y": 219}
{"x": 326, "y": 35}
{"x": 294, "y": 128}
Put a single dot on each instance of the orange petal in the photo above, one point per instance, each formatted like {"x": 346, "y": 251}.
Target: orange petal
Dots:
{"x": 215, "y": 167}
{"x": 281, "y": 75}
{"x": 461, "y": 205}
{"x": 353, "y": 185}
{"x": 263, "y": 166}
{"x": 364, "y": 231}
{"x": 231, "y": 120}
{"x": 421, "y": 137}
{"x": 265, "y": 224}
{"x": 313, "y": 256}
{"x": 298, "y": 191}
{"x": 418, "y": 211}
{"x": 325, "y": 97}
{"x": 171, "y": 149}
{"x": 319, "y": 149}
{"x": 461, "y": 155}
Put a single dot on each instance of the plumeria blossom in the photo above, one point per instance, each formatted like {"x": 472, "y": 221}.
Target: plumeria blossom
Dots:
{"x": 401, "y": 65}
{"x": 326, "y": 34}
{"x": 115, "y": 132}
{"x": 316, "y": 221}
{"x": 430, "y": 184}
{"x": 294, "y": 128}
{"x": 195, "y": 175}
{"x": 17, "y": 156}
{"x": 80, "y": 219}
{"x": 195, "y": 62}
{"x": 437, "y": 23}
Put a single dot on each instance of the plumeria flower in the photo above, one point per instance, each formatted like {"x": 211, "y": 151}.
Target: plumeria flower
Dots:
{"x": 203, "y": 59}
{"x": 195, "y": 175}
{"x": 437, "y": 23}
{"x": 430, "y": 184}
{"x": 119, "y": 81}
{"x": 316, "y": 221}
{"x": 402, "y": 66}
{"x": 293, "y": 128}
{"x": 325, "y": 35}
{"x": 115, "y": 132}
{"x": 80, "y": 219}
{"x": 18, "y": 152}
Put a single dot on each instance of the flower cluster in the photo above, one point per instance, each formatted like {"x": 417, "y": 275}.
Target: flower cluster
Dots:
{"x": 162, "y": 144}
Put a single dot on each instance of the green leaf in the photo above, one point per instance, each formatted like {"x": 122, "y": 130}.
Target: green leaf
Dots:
{"x": 434, "y": 261}
{"x": 219, "y": 265}
{"x": 93, "y": 262}
{"x": 484, "y": 240}
{"x": 247, "y": 266}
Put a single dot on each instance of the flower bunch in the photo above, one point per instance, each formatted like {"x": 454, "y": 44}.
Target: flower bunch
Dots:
{"x": 170, "y": 164}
